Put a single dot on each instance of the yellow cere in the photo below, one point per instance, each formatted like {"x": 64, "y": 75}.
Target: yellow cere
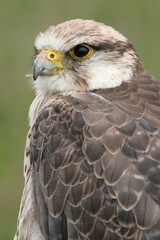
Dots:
{"x": 55, "y": 57}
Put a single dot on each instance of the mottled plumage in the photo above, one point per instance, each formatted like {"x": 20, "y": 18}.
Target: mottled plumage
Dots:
{"x": 92, "y": 162}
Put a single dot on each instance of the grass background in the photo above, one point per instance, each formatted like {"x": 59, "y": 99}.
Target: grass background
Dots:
{"x": 20, "y": 21}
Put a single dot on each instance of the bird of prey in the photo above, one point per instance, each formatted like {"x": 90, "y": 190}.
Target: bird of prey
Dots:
{"x": 92, "y": 158}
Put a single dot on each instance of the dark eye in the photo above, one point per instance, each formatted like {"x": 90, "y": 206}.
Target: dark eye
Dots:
{"x": 81, "y": 52}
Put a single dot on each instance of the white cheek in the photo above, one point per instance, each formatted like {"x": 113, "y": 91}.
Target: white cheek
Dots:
{"x": 108, "y": 76}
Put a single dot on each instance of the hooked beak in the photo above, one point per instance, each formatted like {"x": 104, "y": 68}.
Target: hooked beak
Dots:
{"x": 48, "y": 62}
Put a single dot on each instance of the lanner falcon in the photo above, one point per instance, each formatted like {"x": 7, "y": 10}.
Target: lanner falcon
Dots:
{"x": 92, "y": 159}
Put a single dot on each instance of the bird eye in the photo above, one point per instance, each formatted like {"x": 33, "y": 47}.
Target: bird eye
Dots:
{"x": 81, "y": 52}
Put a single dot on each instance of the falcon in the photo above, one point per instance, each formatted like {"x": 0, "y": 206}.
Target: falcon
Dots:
{"x": 92, "y": 158}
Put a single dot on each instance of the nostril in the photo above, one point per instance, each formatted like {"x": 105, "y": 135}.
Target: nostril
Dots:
{"x": 51, "y": 55}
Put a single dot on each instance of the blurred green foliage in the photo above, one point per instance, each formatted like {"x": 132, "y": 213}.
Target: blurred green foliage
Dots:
{"x": 20, "y": 21}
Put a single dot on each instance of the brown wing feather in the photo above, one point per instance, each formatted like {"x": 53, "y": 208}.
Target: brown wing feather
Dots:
{"x": 96, "y": 164}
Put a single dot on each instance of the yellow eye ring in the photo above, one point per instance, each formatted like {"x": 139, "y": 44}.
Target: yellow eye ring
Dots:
{"x": 81, "y": 52}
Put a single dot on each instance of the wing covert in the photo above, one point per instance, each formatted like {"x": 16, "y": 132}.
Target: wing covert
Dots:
{"x": 97, "y": 168}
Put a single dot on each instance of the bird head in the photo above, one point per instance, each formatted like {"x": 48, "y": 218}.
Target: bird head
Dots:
{"x": 82, "y": 55}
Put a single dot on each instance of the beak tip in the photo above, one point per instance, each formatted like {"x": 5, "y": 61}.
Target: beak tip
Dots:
{"x": 42, "y": 67}
{"x": 35, "y": 76}
{"x": 37, "y": 70}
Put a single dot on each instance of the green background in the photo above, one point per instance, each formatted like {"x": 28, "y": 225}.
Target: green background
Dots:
{"x": 20, "y": 21}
